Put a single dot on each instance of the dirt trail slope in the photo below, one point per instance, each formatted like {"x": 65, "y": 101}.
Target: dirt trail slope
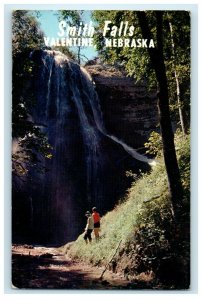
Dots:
{"x": 48, "y": 268}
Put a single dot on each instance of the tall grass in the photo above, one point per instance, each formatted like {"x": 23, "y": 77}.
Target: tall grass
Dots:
{"x": 146, "y": 204}
{"x": 117, "y": 225}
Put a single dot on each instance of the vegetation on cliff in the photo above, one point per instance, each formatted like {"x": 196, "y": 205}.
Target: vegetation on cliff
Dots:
{"x": 30, "y": 145}
{"x": 139, "y": 237}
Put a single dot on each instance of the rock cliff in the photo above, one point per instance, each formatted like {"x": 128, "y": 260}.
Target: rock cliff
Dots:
{"x": 129, "y": 109}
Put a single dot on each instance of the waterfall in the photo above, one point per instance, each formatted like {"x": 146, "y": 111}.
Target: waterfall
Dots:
{"x": 90, "y": 134}
{"x": 89, "y": 130}
{"x": 88, "y": 165}
{"x": 100, "y": 125}
{"x": 133, "y": 152}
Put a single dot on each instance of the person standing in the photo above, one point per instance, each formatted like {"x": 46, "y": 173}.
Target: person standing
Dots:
{"x": 96, "y": 219}
{"x": 89, "y": 227}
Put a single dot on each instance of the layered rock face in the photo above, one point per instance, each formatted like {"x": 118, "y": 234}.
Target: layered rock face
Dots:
{"x": 129, "y": 109}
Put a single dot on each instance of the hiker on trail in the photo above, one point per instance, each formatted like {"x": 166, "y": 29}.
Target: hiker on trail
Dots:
{"x": 89, "y": 227}
{"x": 96, "y": 219}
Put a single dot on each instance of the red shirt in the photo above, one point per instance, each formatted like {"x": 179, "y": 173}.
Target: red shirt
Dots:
{"x": 96, "y": 217}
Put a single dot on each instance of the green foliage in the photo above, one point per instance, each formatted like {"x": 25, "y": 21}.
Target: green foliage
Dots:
{"x": 154, "y": 144}
{"x": 136, "y": 61}
{"x": 73, "y": 18}
{"x": 183, "y": 152}
{"x": 26, "y": 34}
{"x": 30, "y": 145}
{"x": 144, "y": 224}
{"x": 154, "y": 147}
{"x": 28, "y": 152}
{"x": 123, "y": 221}
{"x": 177, "y": 26}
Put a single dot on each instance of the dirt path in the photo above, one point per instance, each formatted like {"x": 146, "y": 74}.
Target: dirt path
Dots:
{"x": 48, "y": 268}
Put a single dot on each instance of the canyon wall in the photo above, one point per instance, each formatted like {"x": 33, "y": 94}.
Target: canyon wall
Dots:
{"x": 129, "y": 109}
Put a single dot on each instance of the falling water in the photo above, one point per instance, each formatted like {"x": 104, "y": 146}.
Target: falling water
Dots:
{"x": 100, "y": 125}
{"x": 87, "y": 167}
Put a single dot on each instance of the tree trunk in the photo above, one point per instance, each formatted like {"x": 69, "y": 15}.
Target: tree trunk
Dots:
{"x": 170, "y": 159}
{"x": 78, "y": 55}
{"x": 179, "y": 103}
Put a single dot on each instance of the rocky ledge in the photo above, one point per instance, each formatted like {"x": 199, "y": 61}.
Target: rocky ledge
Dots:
{"x": 129, "y": 109}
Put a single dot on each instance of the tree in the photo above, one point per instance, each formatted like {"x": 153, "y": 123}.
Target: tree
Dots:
{"x": 150, "y": 64}
{"x": 177, "y": 56}
{"x": 179, "y": 92}
{"x": 26, "y": 33}
{"x": 73, "y": 18}
{"x": 157, "y": 59}
{"x": 29, "y": 143}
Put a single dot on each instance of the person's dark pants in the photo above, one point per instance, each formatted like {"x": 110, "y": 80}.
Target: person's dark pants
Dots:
{"x": 87, "y": 235}
{"x": 96, "y": 230}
